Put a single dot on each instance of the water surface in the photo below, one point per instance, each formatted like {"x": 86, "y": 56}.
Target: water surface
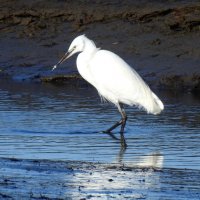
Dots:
{"x": 45, "y": 121}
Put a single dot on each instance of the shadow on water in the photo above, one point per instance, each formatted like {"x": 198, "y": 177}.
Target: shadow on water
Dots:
{"x": 64, "y": 123}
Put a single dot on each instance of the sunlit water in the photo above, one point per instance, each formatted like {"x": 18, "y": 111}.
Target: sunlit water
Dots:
{"x": 44, "y": 121}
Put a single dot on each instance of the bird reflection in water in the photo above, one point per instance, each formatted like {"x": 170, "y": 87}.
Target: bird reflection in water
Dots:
{"x": 134, "y": 179}
{"x": 154, "y": 159}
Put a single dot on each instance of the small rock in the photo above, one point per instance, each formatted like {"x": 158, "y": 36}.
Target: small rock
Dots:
{"x": 2, "y": 15}
{"x": 26, "y": 21}
{"x": 16, "y": 20}
{"x": 156, "y": 42}
{"x": 41, "y": 25}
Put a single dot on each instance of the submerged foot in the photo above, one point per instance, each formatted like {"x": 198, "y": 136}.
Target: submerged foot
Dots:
{"x": 122, "y": 138}
{"x": 123, "y": 141}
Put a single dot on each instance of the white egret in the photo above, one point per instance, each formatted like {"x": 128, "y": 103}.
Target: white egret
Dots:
{"x": 113, "y": 78}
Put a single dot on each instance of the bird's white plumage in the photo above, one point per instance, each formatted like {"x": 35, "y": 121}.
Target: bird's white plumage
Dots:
{"x": 114, "y": 79}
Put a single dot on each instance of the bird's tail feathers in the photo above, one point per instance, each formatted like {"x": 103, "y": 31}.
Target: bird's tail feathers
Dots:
{"x": 151, "y": 103}
{"x": 157, "y": 105}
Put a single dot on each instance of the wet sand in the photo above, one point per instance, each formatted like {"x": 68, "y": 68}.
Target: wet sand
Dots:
{"x": 43, "y": 179}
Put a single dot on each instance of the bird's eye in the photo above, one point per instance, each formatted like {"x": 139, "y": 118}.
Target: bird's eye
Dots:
{"x": 74, "y": 47}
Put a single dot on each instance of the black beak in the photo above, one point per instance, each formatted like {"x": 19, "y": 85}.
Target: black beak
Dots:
{"x": 67, "y": 55}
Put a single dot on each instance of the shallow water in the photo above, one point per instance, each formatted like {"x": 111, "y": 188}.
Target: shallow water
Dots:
{"x": 45, "y": 121}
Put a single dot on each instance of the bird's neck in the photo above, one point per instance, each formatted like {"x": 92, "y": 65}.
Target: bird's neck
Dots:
{"x": 90, "y": 47}
{"x": 86, "y": 55}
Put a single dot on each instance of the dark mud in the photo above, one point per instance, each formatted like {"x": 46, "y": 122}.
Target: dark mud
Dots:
{"x": 160, "y": 39}
{"x": 43, "y": 179}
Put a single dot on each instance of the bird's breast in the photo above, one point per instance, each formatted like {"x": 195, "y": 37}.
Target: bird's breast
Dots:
{"x": 83, "y": 66}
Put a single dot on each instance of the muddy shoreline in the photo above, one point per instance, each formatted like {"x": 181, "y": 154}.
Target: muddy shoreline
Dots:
{"x": 44, "y": 179}
{"x": 160, "y": 39}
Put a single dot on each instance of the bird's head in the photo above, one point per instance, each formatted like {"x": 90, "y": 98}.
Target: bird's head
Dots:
{"x": 76, "y": 46}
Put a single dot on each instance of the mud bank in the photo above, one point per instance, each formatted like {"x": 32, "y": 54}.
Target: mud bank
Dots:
{"x": 160, "y": 39}
{"x": 43, "y": 179}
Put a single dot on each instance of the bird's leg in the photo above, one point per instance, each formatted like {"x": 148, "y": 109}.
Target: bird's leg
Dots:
{"x": 122, "y": 122}
{"x": 124, "y": 117}
{"x": 123, "y": 141}
{"x": 113, "y": 127}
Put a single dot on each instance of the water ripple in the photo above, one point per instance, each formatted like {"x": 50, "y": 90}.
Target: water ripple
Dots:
{"x": 64, "y": 123}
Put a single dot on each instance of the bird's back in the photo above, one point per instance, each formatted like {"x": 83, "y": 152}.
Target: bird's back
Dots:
{"x": 116, "y": 81}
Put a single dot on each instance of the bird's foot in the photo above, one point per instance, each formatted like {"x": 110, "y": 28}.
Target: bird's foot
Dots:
{"x": 106, "y": 131}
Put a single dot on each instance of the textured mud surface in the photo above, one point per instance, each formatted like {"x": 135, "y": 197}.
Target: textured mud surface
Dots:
{"x": 43, "y": 179}
{"x": 160, "y": 39}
